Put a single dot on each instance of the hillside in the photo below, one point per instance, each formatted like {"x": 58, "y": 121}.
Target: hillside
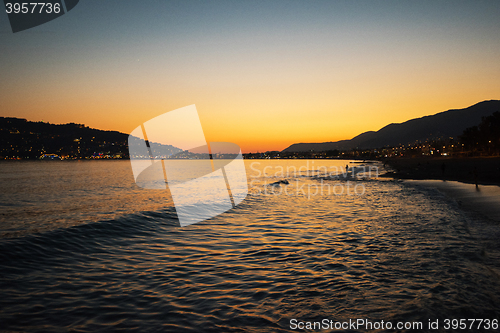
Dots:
{"x": 445, "y": 124}
{"x": 20, "y": 138}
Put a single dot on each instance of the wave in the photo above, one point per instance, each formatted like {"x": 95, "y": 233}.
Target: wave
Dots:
{"x": 86, "y": 238}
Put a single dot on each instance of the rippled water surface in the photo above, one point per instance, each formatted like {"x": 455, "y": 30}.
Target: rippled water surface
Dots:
{"x": 83, "y": 249}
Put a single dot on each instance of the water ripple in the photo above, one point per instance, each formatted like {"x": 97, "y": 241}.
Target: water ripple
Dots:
{"x": 397, "y": 253}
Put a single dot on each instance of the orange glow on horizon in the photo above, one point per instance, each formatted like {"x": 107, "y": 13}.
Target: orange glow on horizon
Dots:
{"x": 261, "y": 87}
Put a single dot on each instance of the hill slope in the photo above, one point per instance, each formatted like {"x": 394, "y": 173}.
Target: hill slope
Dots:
{"x": 20, "y": 138}
{"x": 445, "y": 124}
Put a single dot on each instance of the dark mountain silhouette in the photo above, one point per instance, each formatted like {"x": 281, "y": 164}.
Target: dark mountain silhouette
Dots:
{"x": 20, "y": 138}
{"x": 451, "y": 123}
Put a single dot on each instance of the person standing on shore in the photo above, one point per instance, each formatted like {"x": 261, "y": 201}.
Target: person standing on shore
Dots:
{"x": 474, "y": 173}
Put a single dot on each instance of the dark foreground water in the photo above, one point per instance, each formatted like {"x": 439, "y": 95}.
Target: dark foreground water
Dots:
{"x": 84, "y": 250}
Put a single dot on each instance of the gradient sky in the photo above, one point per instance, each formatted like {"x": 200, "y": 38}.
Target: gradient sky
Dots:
{"x": 263, "y": 74}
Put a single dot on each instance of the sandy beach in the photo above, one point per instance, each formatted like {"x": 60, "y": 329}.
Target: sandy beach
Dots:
{"x": 472, "y": 182}
{"x": 484, "y": 199}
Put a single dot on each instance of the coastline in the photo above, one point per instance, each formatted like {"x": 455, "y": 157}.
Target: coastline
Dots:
{"x": 474, "y": 183}
{"x": 483, "y": 199}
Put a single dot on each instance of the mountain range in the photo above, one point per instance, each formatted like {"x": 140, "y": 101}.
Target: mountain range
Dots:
{"x": 20, "y": 138}
{"x": 447, "y": 124}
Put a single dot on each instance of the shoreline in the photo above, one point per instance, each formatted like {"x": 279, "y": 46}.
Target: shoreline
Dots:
{"x": 483, "y": 199}
{"x": 474, "y": 183}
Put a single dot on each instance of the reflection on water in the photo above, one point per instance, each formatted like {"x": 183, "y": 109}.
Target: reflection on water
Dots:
{"x": 397, "y": 252}
{"x": 44, "y": 195}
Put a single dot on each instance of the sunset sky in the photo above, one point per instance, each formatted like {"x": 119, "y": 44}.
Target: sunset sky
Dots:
{"x": 263, "y": 74}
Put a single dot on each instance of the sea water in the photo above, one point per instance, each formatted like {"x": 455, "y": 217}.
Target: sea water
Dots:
{"x": 83, "y": 249}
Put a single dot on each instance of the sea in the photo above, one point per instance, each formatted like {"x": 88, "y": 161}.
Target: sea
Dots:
{"x": 84, "y": 249}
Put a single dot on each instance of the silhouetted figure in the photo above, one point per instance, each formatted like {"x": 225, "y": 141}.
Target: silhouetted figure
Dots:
{"x": 346, "y": 168}
{"x": 443, "y": 168}
{"x": 474, "y": 173}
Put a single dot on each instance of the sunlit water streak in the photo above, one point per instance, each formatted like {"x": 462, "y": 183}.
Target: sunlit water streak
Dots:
{"x": 84, "y": 249}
